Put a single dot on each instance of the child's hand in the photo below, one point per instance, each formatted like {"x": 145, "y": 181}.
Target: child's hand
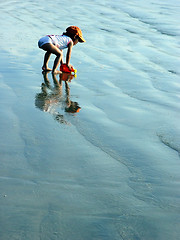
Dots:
{"x": 70, "y": 66}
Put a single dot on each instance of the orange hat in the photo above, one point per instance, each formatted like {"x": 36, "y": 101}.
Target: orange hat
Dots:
{"x": 76, "y": 31}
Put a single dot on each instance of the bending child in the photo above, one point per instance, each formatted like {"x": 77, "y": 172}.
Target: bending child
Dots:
{"x": 56, "y": 43}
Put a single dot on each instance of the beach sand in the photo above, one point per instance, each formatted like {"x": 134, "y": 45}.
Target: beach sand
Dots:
{"x": 111, "y": 170}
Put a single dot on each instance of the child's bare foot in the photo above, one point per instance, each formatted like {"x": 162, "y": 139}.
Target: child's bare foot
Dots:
{"x": 56, "y": 72}
{"x": 46, "y": 69}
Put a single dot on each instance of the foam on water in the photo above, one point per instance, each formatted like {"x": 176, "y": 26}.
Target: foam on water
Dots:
{"x": 110, "y": 171}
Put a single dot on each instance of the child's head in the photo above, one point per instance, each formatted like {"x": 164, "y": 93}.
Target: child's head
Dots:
{"x": 74, "y": 33}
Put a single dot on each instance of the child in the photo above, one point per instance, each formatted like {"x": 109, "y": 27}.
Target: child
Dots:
{"x": 56, "y": 43}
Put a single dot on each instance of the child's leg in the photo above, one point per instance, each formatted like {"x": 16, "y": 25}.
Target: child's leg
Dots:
{"x": 50, "y": 48}
{"x": 46, "y": 60}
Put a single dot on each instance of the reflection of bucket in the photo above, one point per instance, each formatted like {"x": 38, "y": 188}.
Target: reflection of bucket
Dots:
{"x": 66, "y": 76}
{"x": 65, "y": 69}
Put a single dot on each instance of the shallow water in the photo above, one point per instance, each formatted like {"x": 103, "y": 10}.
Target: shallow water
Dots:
{"x": 111, "y": 170}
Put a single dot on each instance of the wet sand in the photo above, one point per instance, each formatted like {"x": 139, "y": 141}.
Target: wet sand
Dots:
{"x": 111, "y": 170}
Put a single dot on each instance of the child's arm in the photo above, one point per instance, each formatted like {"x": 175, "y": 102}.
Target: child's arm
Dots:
{"x": 68, "y": 55}
{"x": 62, "y": 57}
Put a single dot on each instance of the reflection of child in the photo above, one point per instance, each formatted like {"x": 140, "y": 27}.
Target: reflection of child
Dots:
{"x": 56, "y": 43}
{"x": 51, "y": 98}
{"x": 73, "y": 107}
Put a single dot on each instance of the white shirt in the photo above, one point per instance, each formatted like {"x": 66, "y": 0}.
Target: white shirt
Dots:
{"x": 60, "y": 41}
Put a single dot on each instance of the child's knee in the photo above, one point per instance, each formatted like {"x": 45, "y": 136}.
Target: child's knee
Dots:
{"x": 58, "y": 54}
